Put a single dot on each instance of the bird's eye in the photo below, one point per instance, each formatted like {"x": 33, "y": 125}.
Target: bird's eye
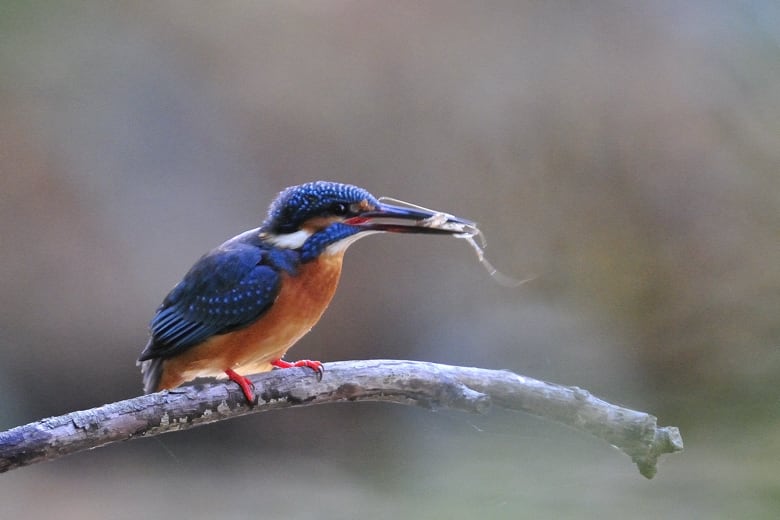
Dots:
{"x": 339, "y": 209}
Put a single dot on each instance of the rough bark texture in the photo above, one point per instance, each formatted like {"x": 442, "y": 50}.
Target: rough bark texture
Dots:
{"x": 429, "y": 385}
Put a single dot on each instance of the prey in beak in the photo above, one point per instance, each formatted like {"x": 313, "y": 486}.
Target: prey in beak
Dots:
{"x": 396, "y": 216}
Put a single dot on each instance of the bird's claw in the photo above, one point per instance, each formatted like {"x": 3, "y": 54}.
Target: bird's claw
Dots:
{"x": 308, "y": 363}
{"x": 247, "y": 388}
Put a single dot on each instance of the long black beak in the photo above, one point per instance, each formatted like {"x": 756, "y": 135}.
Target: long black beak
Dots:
{"x": 411, "y": 219}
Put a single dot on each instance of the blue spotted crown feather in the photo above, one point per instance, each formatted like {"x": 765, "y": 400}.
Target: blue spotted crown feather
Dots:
{"x": 296, "y": 204}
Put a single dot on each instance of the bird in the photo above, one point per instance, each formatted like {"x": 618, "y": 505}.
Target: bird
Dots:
{"x": 242, "y": 305}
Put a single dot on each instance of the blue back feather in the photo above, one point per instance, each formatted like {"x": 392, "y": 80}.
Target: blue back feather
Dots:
{"x": 227, "y": 289}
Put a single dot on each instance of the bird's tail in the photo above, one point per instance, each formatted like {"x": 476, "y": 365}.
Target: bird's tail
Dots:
{"x": 151, "y": 369}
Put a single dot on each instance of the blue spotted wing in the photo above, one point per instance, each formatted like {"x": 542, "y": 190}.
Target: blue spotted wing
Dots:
{"x": 226, "y": 289}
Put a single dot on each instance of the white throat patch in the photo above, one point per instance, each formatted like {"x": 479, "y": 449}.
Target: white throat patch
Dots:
{"x": 344, "y": 243}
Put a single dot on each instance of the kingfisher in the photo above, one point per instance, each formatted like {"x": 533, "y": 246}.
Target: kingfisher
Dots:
{"x": 245, "y": 303}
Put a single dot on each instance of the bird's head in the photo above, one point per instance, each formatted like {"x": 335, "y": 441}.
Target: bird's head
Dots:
{"x": 326, "y": 217}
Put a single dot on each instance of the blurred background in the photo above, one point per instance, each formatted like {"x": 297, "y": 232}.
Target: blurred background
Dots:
{"x": 626, "y": 154}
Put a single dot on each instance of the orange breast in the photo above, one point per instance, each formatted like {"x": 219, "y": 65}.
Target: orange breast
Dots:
{"x": 299, "y": 306}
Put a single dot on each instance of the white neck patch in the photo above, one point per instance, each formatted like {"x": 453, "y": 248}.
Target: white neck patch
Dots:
{"x": 290, "y": 240}
{"x": 296, "y": 240}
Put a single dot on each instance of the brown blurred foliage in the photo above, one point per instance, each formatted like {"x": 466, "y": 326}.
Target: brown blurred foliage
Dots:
{"x": 625, "y": 154}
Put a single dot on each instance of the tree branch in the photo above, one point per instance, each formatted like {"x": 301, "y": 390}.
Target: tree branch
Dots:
{"x": 429, "y": 385}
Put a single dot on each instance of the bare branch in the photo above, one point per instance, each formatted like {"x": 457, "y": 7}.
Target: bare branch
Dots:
{"x": 404, "y": 382}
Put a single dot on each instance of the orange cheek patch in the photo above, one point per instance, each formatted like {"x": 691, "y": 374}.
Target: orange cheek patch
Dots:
{"x": 364, "y": 205}
{"x": 318, "y": 223}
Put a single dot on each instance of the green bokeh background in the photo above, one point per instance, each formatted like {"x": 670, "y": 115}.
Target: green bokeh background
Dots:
{"x": 626, "y": 154}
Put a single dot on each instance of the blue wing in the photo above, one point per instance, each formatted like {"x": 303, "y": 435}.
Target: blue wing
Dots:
{"x": 226, "y": 289}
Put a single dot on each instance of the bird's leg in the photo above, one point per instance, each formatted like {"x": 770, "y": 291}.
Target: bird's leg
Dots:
{"x": 314, "y": 365}
{"x": 246, "y": 385}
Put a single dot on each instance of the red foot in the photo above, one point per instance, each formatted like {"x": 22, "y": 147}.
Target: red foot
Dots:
{"x": 246, "y": 385}
{"x": 314, "y": 365}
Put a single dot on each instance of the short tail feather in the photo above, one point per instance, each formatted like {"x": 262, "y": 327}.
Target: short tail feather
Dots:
{"x": 151, "y": 369}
